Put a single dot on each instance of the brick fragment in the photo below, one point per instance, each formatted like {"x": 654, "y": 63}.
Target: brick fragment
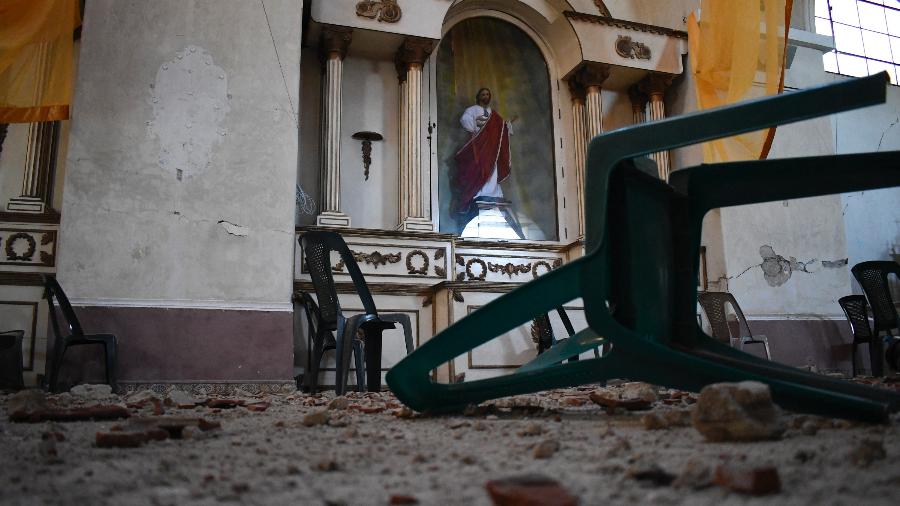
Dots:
{"x": 529, "y": 490}
{"x": 402, "y": 499}
{"x": 112, "y": 412}
{"x": 746, "y": 479}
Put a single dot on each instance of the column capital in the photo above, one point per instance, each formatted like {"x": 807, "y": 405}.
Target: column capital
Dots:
{"x": 592, "y": 74}
{"x": 655, "y": 85}
{"x": 637, "y": 96}
{"x": 334, "y": 41}
{"x": 413, "y": 51}
{"x": 576, "y": 90}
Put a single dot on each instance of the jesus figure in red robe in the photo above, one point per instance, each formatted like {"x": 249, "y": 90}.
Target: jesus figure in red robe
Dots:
{"x": 483, "y": 162}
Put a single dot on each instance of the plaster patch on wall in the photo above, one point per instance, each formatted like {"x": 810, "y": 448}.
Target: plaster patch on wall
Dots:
{"x": 234, "y": 229}
{"x": 190, "y": 102}
{"x": 777, "y": 270}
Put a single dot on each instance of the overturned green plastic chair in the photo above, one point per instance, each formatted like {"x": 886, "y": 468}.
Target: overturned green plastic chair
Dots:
{"x": 638, "y": 275}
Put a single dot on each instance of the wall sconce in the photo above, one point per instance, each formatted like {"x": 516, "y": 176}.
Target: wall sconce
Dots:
{"x": 367, "y": 138}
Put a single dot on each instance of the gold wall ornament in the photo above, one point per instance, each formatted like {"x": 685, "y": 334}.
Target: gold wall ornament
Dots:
{"x": 387, "y": 11}
{"x": 510, "y": 269}
{"x": 410, "y": 266}
{"x": 374, "y": 258}
{"x": 627, "y": 48}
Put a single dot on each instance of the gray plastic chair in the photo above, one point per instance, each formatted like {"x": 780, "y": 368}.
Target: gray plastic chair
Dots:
{"x": 713, "y": 304}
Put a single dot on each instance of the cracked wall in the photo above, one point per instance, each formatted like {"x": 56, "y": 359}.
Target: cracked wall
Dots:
{"x": 183, "y": 153}
{"x": 872, "y": 218}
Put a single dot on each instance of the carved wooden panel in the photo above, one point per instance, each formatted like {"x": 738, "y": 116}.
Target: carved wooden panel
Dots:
{"x": 27, "y": 247}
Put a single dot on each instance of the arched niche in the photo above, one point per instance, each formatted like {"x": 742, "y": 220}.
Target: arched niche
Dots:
{"x": 544, "y": 19}
{"x": 493, "y": 49}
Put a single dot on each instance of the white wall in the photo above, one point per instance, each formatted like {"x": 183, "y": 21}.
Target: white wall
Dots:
{"x": 205, "y": 73}
{"x": 871, "y": 218}
{"x": 370, "y": 102}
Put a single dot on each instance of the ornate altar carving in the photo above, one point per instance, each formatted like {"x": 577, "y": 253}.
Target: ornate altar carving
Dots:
{"x": 627, "y": 48}
{"x": 386, "y": 11}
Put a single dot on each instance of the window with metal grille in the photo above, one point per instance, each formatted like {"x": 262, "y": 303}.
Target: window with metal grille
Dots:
{"x": 866, "y": 36}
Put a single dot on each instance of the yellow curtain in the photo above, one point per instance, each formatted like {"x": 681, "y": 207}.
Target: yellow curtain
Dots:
{"x": 36, "y": 68}
{"x": 735, "y": 44}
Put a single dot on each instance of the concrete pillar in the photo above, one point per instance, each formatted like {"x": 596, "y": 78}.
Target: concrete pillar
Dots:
{"x": 410, "y": 59}
{"x": 577, "y": 92}
{"x": 333, "y": 49}
{"x": 654, "y": 86}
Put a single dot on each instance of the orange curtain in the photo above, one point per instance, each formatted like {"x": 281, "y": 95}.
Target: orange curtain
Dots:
{"x": 36, "y": 51}
{"x": 737, "y": 52}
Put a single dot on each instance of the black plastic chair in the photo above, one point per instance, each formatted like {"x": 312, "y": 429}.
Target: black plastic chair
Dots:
{"x": 856, "y": 310}
{"x": 319, "y": 340}
{"x": 317, "y": 248}
{"x": 713, "y": 304}
{"x": 75, "y": 335}
{"x": 873, "y": 278}
{"x": 11, "y": 359}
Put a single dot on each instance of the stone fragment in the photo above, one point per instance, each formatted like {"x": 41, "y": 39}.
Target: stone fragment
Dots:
{"x": 91, "y": 392}
{"x": 458, "y": 424}
{"x": 402, "y": 499}
{"x": 529, "y": 490}
{"x": 315, "y": 418}
{"x": 652, "y": 474}
{"x": 665, "y": 419}
{"x": 737, "y": 412}
{"x": 696, "y": 474}
{"x": 257, "y": 407}
{"x": 181, "y": 399}
{"x": 326, "y": 465}
{"x": 26, "y": 401}
{"x": 404, "y": 412}
{"x": 545, "y": 449}
{"x": 746, "y": 479}
{"x": 532, "y": 429}
{"x": 866, "y": 452}
{"x": 138, "y": 431}
{"x": 339, "y": 420}
{"x": 810, "y": 428}
{"x": 224, "y": 403}
{"x": 339, "y": 403}
{"x": 611, "y": 401}
{"x": 639, "y": 391}
{"x": 139, "y": 398}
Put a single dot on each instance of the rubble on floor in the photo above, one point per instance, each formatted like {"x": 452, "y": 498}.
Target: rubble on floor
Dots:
{"x": 628, "y": 443}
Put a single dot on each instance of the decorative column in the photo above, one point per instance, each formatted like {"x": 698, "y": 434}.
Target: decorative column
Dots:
{"x": 577, "y": 92}
{"x": 655, "y": 85}
{"x": 40, "y": 164}
{"x": 591, "y": 77}
{"x": 410, "y": 60}
{"x": 638, "y": 104}
{"x": 332, "y": 50}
